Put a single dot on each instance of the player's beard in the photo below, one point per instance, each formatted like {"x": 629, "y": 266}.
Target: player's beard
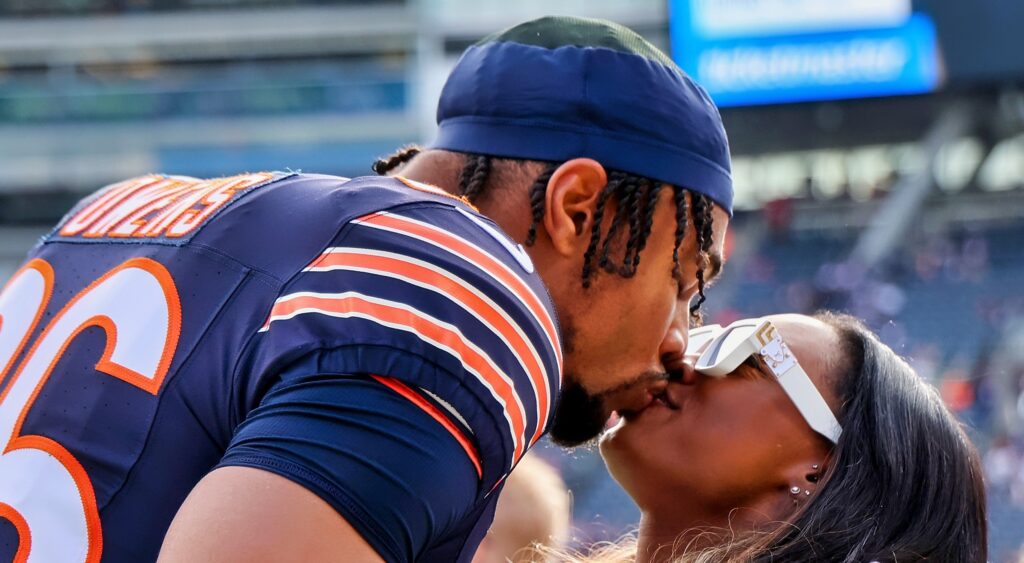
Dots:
{"x": 579, "y": 416}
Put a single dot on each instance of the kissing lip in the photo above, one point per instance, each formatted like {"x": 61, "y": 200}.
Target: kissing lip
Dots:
{"x": 670, "y": 400}
{"x": 630, "y": 402}
{"x": 629, "y": 399}
{"x": 631, "y": 413}
{"x": 651, "y": 398}
{"x": 664, "y": 399}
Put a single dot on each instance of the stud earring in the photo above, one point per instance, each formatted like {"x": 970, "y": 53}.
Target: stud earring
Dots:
{"x": 794, "y": 493}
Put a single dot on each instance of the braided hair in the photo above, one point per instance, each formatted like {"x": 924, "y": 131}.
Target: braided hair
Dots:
{"x": 635, "y": 198}
{"x": 474, "y": 176}
{"x": 382, "y": 166}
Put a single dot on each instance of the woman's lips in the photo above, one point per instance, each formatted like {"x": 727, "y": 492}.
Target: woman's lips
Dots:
{"x": 660, "y": 399}
{"x": 635, "y": 404}
{"x": 676, "y": 393}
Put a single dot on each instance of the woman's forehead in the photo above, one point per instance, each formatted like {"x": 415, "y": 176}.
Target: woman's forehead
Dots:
{"x": 809, "y": 338}
{"x": 800, "y": 326}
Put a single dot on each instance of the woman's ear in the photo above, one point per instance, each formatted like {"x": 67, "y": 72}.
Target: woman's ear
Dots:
{"x": 570, "y": 203}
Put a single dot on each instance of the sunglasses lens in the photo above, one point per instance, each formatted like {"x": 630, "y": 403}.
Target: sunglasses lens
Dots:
{"x": 699, "y": 340}
{"x": 724, "y": 345}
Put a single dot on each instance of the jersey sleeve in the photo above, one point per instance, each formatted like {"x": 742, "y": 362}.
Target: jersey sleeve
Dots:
{"x": 442, "y": 314}
{"x": 369, "y": 452}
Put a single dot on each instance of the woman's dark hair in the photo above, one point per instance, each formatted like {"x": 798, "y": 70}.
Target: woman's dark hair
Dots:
{"x": 904, "y": 483}
{"x": 634, "y": 199}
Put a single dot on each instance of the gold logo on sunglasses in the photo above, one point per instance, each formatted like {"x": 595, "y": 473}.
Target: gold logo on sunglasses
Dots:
{"x": 766, "y": 334}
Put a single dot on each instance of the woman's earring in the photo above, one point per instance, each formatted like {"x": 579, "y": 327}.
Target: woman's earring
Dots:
{"x": 814, "y": 475}
{"x": 796, "y": 493}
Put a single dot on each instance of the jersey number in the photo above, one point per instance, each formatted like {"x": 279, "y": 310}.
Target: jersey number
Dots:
{"x": 44, "y": 491}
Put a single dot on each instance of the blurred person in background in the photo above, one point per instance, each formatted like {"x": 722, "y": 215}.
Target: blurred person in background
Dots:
{"x": 533, "y": 512}
{"x": 287, "y": 366}
{"x": 745, "y": 461}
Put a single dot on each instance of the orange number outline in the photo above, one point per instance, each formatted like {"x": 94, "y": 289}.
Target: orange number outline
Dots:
{"x": 104, "y": 365}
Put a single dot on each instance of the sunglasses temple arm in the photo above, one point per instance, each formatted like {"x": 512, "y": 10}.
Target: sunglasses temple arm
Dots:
{"x": 810, "y": 403}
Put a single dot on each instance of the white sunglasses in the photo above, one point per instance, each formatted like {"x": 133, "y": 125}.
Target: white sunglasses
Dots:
{"x": 720, "y": 351}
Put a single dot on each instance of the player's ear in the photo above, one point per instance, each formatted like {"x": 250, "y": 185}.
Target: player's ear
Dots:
{"x": 570, "y": 202}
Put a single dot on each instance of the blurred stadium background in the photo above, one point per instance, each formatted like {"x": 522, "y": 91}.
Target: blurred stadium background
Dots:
{"x": 878, "y": 145}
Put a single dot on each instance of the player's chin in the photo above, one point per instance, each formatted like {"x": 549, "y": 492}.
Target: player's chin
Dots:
{"x": 579, "y": 417}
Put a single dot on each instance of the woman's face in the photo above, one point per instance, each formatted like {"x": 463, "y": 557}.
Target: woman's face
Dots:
{"x": 721, "y": 444}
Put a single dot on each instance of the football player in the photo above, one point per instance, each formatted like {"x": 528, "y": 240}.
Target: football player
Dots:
{"x": 283, "y": 366}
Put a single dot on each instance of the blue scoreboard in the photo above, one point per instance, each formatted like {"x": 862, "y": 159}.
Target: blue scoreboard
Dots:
{"x": 752, "y": 52}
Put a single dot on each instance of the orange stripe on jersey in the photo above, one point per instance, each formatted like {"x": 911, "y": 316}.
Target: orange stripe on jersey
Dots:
{"x": 430, "y": 330}
{"x": 468, "y": 251}
{"x": 416, "y": 399}
{"x": 445, "y": 283}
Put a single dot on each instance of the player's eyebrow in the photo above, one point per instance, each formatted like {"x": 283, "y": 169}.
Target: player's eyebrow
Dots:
{"x": 714, "y": 268}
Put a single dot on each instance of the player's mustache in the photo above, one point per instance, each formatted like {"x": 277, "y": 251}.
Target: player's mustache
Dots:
{"x": 640, "y": 380}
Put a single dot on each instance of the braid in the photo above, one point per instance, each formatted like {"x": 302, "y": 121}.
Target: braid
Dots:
{"x": 382, "y": 166}
{"x": 474, "y": 175}
{"x": 633, "y": 205}
{"x": 682, "y": 214}
{"x": 595, "y": 235}
{"x": 648, "y": 192}
{"x": 616, "y": 183}
{"x": 705, "y": 224}
{"x": 538, "y": 191}
{"x": 702, "y": 219}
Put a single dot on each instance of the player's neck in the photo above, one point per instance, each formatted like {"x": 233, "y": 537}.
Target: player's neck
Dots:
{"x": 442, "y": 169}
{"x": 437, "y": 168}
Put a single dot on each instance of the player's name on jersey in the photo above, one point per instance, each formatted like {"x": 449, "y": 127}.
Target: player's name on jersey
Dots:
{"x": 156, "y": 206}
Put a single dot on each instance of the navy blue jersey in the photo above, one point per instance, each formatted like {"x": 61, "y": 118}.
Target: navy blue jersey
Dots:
{"x": 374, "y": 340}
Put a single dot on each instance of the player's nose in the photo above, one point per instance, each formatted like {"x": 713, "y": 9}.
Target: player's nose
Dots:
{"x": 676, "y": 337}
{"x": 673, "y": 348}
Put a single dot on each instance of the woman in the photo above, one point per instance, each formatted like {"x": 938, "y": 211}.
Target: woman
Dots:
{"x": 729, "y": 468}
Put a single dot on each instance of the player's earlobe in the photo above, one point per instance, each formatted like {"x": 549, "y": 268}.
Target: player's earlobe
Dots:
{"x": 570, "y": 202}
